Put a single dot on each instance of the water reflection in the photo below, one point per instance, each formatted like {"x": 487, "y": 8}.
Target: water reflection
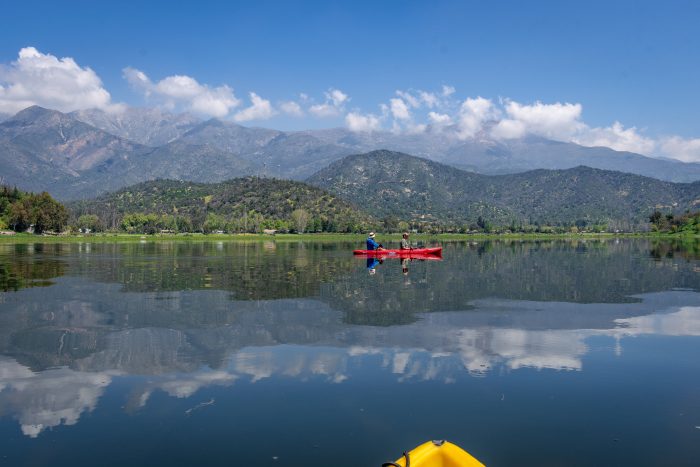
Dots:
{"x": 312, "y": 313}
{"x": 304, "y": 340}
{"x": 583, "y": 271}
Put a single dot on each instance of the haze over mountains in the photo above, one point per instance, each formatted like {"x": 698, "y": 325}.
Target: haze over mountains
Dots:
{"x": 86, "y": 153}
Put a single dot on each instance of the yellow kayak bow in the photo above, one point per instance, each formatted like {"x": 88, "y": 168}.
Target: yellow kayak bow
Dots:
{"x": 436, "y": 454}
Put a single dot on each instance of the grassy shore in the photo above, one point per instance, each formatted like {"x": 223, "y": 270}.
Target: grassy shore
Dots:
{"x": 316, "y": 237}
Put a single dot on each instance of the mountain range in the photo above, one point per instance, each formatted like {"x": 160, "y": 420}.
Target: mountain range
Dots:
{"x": 87, "y": 153}
{"x": 362, "y": 189}
{"x": 395, "y": 184}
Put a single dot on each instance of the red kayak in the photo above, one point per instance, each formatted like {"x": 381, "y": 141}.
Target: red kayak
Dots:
{"x": 414, "y": 252}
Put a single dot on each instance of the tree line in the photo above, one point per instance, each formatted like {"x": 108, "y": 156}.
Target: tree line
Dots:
{"x": 22, "y": 211}
{"x": 669, "y": 223}
{"x": 39, "y": 213}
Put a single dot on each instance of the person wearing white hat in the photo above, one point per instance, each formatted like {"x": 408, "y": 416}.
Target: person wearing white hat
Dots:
{"x": 372, "y": 243}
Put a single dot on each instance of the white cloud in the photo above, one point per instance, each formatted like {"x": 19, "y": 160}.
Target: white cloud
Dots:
{"x": 616, "y": 137}
{"x": 361, "y": 123}
{"x": 410, "y": 99}
{"x": 686, "y": 150}
{"x": 180, "y": 90}
{"x": 472, "y": 115}
{"x": 439, "y": 119}
{"x": 333, "y": 106}
{"x": 447, "y": 91}
{"x": 429, "y": 99}
{"x": 337, "y": 96}
{"x": 557, "y": 121}
{"x": 399, "y": 109}
{"x": 57, "y": 83}
{"x": 260, "y": 109}
{"x": 426, "y": 98}
{"x": 324, "y": 110}
{"x": 415, "y": 128}
{"x": 291, "y": 108}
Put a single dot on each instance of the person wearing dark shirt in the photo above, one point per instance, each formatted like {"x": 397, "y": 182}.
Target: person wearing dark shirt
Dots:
{"x": 372, "y": 243}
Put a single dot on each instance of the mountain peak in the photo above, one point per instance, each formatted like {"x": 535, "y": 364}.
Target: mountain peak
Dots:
{"x": 34, "y": 113}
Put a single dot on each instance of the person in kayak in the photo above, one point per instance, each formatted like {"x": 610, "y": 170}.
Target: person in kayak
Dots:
{"x": 405, "y": 245}
{"x": 372, "y": 243}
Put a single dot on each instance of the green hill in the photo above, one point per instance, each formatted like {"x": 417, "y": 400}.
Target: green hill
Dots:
{"x": 395, "y": 184}
{"x": 248, "y": 204}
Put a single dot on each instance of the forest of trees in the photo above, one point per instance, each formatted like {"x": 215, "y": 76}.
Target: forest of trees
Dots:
{"x": 254, "y": 205}
{"x": 21, "y": 211}
{"x": 685, "y": 223}
{"x": 245, "y": 205}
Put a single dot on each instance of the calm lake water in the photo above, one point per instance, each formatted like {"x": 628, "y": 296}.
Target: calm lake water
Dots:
{"x": 546, "y": 353}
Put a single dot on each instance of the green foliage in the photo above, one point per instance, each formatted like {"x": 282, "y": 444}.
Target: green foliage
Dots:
{"x": 140, "y": 223}
{"x": 688, "y": 223}
{"x": 21, "y": 211}
{"x": 214, "y": 223}
{"x": 244, "y": 205}
{"x": 90, "y": 223}
{"x": 8, "y": 196}
{"x": 300, "y": 219}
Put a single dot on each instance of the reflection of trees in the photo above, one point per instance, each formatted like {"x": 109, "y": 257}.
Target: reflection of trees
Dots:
{"x": 251, "y": 271}
{"x": 688, "y": 249}
{"x": 21, "y": 269}
{"x": 581, "y": 271}
{"x": 584, "y": 271}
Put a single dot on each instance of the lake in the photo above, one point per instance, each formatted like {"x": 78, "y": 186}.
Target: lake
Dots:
{"x": 232, "y": 353}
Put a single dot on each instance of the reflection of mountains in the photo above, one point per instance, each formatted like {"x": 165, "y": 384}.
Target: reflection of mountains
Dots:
{"x": 64, "y": 345}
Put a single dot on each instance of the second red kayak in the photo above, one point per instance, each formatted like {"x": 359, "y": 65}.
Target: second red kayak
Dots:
{"x": 436, "y": 251}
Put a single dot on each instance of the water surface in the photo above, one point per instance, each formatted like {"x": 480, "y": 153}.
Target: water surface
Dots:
{"x": 297, "y": 354}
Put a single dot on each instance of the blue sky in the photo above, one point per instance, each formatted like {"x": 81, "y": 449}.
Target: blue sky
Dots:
{"x": 633, "y": 62}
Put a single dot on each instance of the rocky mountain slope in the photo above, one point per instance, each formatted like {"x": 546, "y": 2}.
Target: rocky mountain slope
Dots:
{"x": 148, "y": 126}
{"x": 44, "y": 149}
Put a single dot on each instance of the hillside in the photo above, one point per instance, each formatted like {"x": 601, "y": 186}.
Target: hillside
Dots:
{"x": 43, "y": 149}
{"x": 390, "y": 183}
{"x": 269, "y": 203}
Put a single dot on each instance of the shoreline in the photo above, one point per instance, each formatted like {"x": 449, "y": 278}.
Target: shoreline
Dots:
{"x": 322, "y": 237}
